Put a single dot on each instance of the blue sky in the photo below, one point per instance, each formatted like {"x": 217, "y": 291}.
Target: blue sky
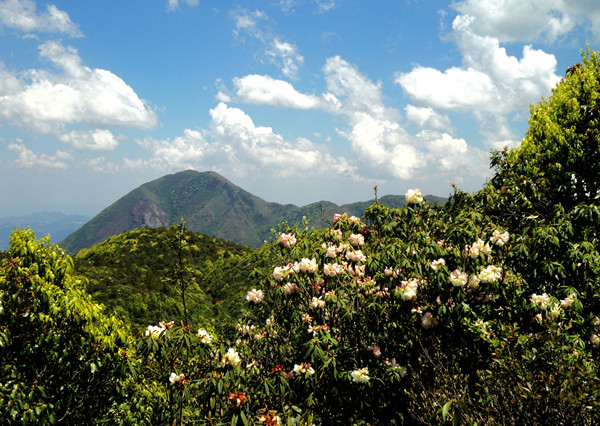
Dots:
{"x": 295, "y": 101}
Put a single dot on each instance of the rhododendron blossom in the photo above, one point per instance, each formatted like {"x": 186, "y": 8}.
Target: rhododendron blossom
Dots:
{"x": 332, "y": 269}
{"x": 204, "y": 336}
{"x": 413, "y": 196}
{"x": 458, "y": 278}
{"x": 499, "y": 238}
{"x": 479, "y": 247}
{"x": 355, "y": 255}
{"x": 231, "y": 357}
{"x": 361, "y": 375}
{"x": 490, "y": 274}
{"x": 154, "y": 331}
{"x": 287, "y": 240}
{"x": 279, "y": 273}
{"x": 354, "y": 220}
{"x": 357, "y": 239}
{"x": 474, "y": 281}
{"x": 317, "y": 303}
{"x": 309, "y": 265}
{"x": 291, "y": 288}
{"x": 437, "y": 263}
{"x": 337, "y": 217}
{"x": 255, "y": 296}
{"x": 594, "y": 339}
{"x": 176, "y": 378}
{"x": 410, "y": 289}
{"x": 428, "y": 320}
{"x": 567, "y": 302}
{"x": 542, "y": 300}
{"x": 303, "y": 368}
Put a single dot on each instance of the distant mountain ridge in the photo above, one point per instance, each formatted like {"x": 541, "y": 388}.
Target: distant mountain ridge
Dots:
{"x": 58, "y": 225}
{"x": 211, "y": 205}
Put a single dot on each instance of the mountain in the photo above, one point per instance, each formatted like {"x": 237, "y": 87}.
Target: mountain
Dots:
{"x": 210, "y": 204}
{"x": 58, "y": 225}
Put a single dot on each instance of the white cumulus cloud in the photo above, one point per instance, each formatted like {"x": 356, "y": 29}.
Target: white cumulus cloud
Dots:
{"x": 27, "y": 158}
{"x": 22, "y": 15}
{"x": 265, "y": 90}
{"x": 491, "y": 85}
{"x": 526, "y": 21}
{"x": 47, "y": 101}
{"x": 97, "y": 139}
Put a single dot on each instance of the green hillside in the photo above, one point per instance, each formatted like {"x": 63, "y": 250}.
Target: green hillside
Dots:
{"x": 133, "y": 275}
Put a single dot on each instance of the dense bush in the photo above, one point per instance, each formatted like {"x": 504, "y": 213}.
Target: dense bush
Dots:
{"x": 61, "y": 356}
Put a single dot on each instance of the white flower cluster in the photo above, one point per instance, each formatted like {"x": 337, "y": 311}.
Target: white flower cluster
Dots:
{"x": 361, "y": 375}
{"x": 231, "y": 357}
{"x": 499, "y": 238}
{"x": 154, "y": 331}
{"x": 303, "y": 368}
{"x": 458, "y": 278}
{"x": 413, "y": 196}
{"x": 409, "y": 289}
{"x": 287, "y": 240}
{"x": 204, "y": 336}
{"x": 490, "y": 274}
{"x": 176, "y": 378}
{"x": 255, "y": 296}
{"x": 479, "y": 247}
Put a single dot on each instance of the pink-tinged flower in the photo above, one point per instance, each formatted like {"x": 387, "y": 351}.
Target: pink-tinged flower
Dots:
{"x": 287, "y": 240}
{"x": 413, "y": 196}
{"x": 337, "y": 217}
{"x": 231, "y": 357}
{"x": 309, "y": 265}
{"x": 361, "y": 375}
{"x": 474, "y": 281}
{"x": 409, "y": 289}
{"x": 166, "y": 324}
{"x": 457, "y": 278}
{"x": 388, "y": 271}
{"x": 318, "y": 303}
{"x": 357, "y": 239}
{"x": 355, "y": 256}
{"x": 336, "y": 234}
{"x": 303, "y": 368}
{"x": 290, "y": 288}
{"x": 332, "y": 251}
{"x": 376, "y": 351}
{"x": 279, "y": 273}
{"x": 499, "y": 238}
{"x": 255, "y": 296}
{"x": 204, "y": 336}
{"x": 479, "y": 247}
{"x": 176, "y": 378}
{"x": 490, "y": 274}
{"x": 354, "y": 220}
{"x": 428, "y": 320}
{"x": 541, "y": 300}
{"x": 332, "y": 269}
{"x": 438, "y": 263}
{"x": 567, "y": 302}
{"x": 594, "y": 339}
{"x": 306, "y": 318}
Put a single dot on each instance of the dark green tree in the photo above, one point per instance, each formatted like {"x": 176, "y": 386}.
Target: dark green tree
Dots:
{"x": 62, "y": 358}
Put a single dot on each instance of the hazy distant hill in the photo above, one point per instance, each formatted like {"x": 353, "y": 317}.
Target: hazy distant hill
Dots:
{"x": 210, "y": 204}
{"x": 58, "y": 225}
